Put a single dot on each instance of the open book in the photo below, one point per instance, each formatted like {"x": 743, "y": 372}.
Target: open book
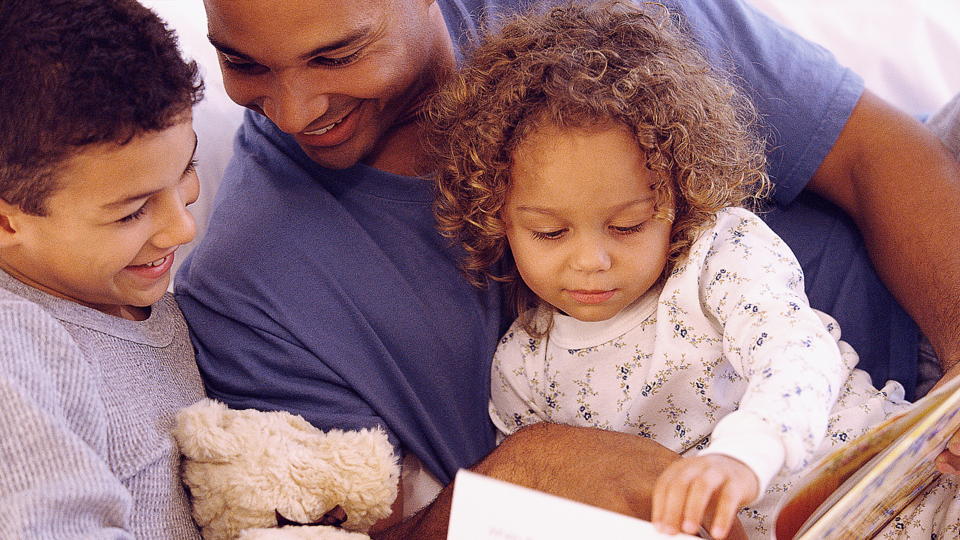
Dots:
{"x": 487, "y": 509}
{"x": 857, "y": 489}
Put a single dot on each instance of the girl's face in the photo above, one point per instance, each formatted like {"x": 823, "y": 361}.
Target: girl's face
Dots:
{"x": 580, "y": 219}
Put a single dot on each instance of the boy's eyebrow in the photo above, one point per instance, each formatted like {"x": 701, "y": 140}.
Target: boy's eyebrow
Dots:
{"x": 127, "y": 200}
{"x": 352, "y": 37}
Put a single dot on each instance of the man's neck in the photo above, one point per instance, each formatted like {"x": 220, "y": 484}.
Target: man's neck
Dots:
{"x": 401, "y": 149}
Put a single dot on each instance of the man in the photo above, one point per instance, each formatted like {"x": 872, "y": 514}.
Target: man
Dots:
{"x": 342, "y": 304}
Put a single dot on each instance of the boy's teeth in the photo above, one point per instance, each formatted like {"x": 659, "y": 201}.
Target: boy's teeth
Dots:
{"x": 157, "y": 262}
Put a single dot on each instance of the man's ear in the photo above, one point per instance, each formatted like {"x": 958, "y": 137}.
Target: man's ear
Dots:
{"x": 9, "y": 223}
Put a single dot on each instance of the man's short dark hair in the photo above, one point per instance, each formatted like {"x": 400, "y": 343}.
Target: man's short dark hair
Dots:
{"x": 80, "y": 72}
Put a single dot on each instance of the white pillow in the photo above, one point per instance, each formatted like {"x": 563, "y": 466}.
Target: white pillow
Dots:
{"x": 908, "y": 52}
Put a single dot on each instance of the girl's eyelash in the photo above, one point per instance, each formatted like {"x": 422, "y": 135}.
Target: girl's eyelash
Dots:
{"x": 551, "y": 235}
{"x": 631, "y": 229}
{"x": 136, "y": 215}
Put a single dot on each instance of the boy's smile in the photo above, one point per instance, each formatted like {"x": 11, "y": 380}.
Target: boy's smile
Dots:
{"x": 580, "y": 219}
{"x": 111, "y": 228}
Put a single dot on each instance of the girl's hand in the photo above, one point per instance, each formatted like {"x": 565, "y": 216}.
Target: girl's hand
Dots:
{"x": 685, "y": 489}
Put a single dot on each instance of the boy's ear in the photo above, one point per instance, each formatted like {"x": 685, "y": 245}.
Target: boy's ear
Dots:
{"x": 9, "y": 223}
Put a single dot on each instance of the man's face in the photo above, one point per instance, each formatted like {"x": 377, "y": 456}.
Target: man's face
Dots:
{"x": 337, "y": 75}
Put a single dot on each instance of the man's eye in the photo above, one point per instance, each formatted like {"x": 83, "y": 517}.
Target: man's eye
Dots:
{"x": 237, "y": 64}
{"x": 337, "y": 61}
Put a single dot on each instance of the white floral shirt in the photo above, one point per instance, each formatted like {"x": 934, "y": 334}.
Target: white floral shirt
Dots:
{"x": 726, "y": 357}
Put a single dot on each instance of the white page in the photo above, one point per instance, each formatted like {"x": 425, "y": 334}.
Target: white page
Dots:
{"x": 487, "y": 509}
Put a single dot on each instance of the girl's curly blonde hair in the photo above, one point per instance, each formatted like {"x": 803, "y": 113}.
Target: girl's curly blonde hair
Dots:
{"x": 586, "y": 65}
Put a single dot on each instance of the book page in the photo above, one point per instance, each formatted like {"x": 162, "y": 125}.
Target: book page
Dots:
{"x": 487, "y": 509}
{"x": 859, "y": 487}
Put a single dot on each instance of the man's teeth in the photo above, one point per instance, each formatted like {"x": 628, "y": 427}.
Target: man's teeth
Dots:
{"x": 324, "y": 129}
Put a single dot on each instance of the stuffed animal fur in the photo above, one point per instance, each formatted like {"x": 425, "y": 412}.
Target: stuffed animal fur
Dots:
{"x": 246, "y": 470}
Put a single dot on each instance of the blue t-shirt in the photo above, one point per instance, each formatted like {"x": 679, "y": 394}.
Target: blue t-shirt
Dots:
{"x": 330, "y": 294}
{"x": 805, "y": 99}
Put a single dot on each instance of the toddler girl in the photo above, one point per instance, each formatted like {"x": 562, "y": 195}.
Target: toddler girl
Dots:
{"x": 592, "y": 159}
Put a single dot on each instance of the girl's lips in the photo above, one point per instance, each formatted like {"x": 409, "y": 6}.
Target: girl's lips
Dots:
{"x": 153, "y": 272}
{"x": 591, "y": 297}
{"x": 338, "y": 132}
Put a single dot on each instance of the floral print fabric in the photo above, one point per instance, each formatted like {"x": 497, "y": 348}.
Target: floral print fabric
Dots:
{"x": 725, "y": 357}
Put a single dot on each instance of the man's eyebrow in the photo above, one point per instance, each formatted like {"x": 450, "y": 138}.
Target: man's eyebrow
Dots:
{"x": 226, "y": 49}
{"x": 127, "y": 200}
{"x": 356, "y": 35}
{"x": 345, "y": 41}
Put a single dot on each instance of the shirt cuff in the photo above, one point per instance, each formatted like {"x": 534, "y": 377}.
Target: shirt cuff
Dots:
{"x": 752, "y": 441}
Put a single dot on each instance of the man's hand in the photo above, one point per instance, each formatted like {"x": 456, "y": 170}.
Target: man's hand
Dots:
{"x": 697, "y": 487}
{"x": 611, "y": 470}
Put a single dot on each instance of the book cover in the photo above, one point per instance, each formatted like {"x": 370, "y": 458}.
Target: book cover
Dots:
{"x": 854, "y": 491}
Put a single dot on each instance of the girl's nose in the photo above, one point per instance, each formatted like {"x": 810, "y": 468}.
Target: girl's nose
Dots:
{"x": 591, "y": 256}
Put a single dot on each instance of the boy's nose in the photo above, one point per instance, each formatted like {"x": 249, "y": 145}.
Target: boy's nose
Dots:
{"x": 179, "y": 228}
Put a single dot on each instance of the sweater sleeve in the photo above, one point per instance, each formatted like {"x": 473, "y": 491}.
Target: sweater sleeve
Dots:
{"x": 753, "y": 286}
{"x": 54, "y": 479}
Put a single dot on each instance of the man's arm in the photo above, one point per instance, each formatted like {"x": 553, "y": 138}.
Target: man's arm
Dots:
{"x": 902, "y": 188}
{"x": 612, "y": 470}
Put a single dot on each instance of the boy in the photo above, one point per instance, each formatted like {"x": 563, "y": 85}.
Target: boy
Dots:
{"x": 96, "y": 169}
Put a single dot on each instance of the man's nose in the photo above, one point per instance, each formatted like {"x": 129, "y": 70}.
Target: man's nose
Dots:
{"x": 294, "y": 103}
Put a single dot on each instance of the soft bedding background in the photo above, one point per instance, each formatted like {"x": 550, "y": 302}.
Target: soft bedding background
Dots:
{"x": 907, "y": 51}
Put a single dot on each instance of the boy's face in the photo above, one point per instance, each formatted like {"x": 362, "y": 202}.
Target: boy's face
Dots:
{"x": 112, "y": 226}
{"x": 580, "y": 220}
{"x": 336, "y": 75}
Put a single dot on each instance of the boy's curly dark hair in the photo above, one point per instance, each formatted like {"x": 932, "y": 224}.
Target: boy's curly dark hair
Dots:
{"x": 586, "y": 65}
{"x": 80, "y": 72}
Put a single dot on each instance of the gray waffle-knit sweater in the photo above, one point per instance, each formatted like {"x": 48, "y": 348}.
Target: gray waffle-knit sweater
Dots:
{"x": 87, "y": 405}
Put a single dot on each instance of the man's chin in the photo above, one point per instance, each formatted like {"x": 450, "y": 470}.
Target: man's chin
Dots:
{"x": 331, "y": 159}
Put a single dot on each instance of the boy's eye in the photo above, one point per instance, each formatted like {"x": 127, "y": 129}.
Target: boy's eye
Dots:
{"x": 628, "y": 229}
{"x": 134, "y": 216}
{"x": 548, "y": 235}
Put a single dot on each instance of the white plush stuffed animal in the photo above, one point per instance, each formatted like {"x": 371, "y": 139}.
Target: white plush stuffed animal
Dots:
{"x": 250, "y": 472}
